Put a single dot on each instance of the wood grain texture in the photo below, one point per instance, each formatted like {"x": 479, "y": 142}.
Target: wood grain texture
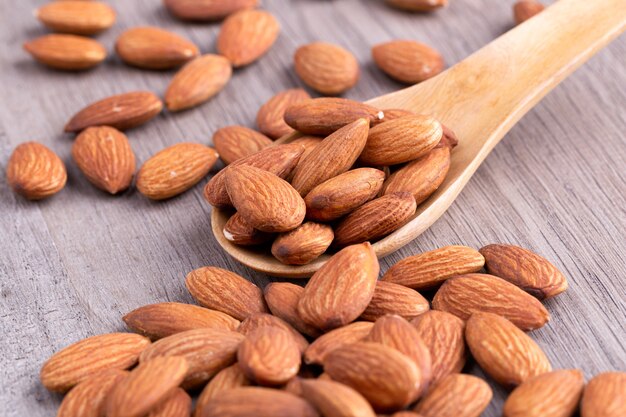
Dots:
{"x": 71, "y": 266}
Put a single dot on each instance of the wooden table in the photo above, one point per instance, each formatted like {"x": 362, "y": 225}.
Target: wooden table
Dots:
{"x": 72, "y": 265}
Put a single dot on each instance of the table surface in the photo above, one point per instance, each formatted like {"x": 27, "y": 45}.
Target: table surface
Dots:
{"x": 72, "y": 265}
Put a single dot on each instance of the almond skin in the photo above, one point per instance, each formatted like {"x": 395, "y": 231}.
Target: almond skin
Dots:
{"x": 467, "y": 294}
{"x": 88, "y": 398}
{"x": 177, "y": 404}
{"x": 88, "y": 357}
{"x": 401, "y": 140}
{"x": 417, "y": 5}
{"x": 322, "y": 116}
{"x": 503, "y": 351}
{"x": 375, "y": 219}
{"x": 104, "y": 155}
{"x": 239, "y": 231}
{"x": 390, "y": 298}
{"x": 236, "y": 142}
{"x": 525, "y": 9}
{"x": 319, "y": 350}
{"x": 154, "y": 48}
{"x": 342, "y": 194}
{"x": 553, "y": 394}
{"x": 206, "y": 10}
{"x": 198, "y": 81}
{"x": 225, "y": 291}
{"x": 165, "y": 319}
{"x": 605, "y": 396}
{"x": 456, "y": 395}
{"x": 326, "y": 68}
{"x": 282, "y": 299}
{"x": 35, "y": 172}
{"x": 529, "y": 271}
{"x": 77, "y": 17}
{"x": 225, "y": 380}
{"x": 174, "y": 170}
{"x": 303, "y": 244}
{"x": 429, "y": 269}
{"x": 257, "y": 402}
{"x": 341, "y": 289}
{"x": 247, "y": 35}
{"x": 122, "y": 111}
{"x": 334, "y": 399}
{"x": 66, "y": 52}
{"x": 270, "y": 118}
{"x": 409, "y": 62}
{"x": 258, "y": 320}
{"x": 333, "y": 156}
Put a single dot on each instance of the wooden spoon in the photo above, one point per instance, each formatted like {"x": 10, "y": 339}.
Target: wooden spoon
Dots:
{"x": 480, "y": 99}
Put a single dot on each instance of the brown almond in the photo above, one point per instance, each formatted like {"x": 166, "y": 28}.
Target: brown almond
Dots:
{"x": 375, "y": 219}
{"x": 177, "y": 404}
{"x": 467, "y": 294}
{"x": 503, "y": 351}
{"x": 247, "y": 35}
{"x": 104, "y": 155}
{"x": 174, "y": 170}
{"x": 342, "y": 194}
{"x": 303, "y": 244}
{"x": 449, "y": 138}
{"x": 393, "y": 114}
{"x": 282, "y": 299}
{"x": 207, "y": 10}
{"x": 86, "y": 358}
{"x": 88, "y": 398}
{"x": 319, "y": 350}
{"x": 257, "y": 320}
{"x": 270, "y": 117}
{"x": 429, "y": 269}
{"x": 198, "y": 81}
{"x": 122, "y": 111}
{"x": 322, "y": 116}
{"x": 341, "y": 289}
{"x": 154, "y": 48}
{"x": 35, "y": 172}
{"x": 77, "y": 17}
{"x": 390, "y": 298}
{"x": 333, "y": 156}
{"x": 409, "y": 62}
{"x": 334, "y": 399}
{"x": 605, "y": 396}
{"x": 553, "y": 394}
{"x": 406, "y": 414}
{"x": 529, "y": 271}
{"x": 326, "y": 68}
{"x": 225, "y": 380}
{"x": 309, "y": 143}
{"x": 525, "y": 9}
{"x": 236, "y": 142}
{"x": 225, "y": 291}
{"x": 66, "y": 52}
{"x": 165, "y": 319}
{"x": 257, "y": 402}
{"x": 239, "y": 231}
{"x": 417, "y": 5}
{"x": 456, "y": 395}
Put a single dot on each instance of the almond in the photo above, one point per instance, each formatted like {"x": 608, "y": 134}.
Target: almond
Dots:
{"x": 225, "y": 380}
{"x": 322, "y": 116}
{"x": 449, "y": 138}
{"x": 529, "y": 271}
{"x": 174, "y": 170}
{"x": 198, "y": 81}
{"x": 88, "y": 398}
{"x": 309, "y": 143}
{"x": 394, "y": 384}
{"x": 225, "y": 291}
{"x": 66, "y": 52}
{"x": 177, "y": 404}
{"x": 257, "y": 402}
{"x": 456, "y": 395}
{"x": 147, "y": 386}
{"x": 429, "y": 269}
{"x": 467, "y": 294}
{"x": 77, "y": 17}
{"x": 421, "y": 177}
{"x": 553, "y": 394}
{"x": 35, "y": 172}
{"x": 282, "y": 299}
{"x": 104, "y": 155}
{"x": 236, "y": 142}
{"x": 207, "y": 10}
{"x": 206, "y": 350}
{"x": 341, "y": 289}
{"x": 270, "y": 118}
{"x": 605, "y": 396}
{"x": 443, "y": 333}
{"x": 390, "y": 298}
{"x": 393, "y": 114}
{"x": 319, "y": 350}
{"x": 247, "y": 35}
{"x": 258, "y": 320}
{"x": 375, "y": 219}
{"x": 334, "y": 399}
{"x": 154, "y": 48}
{"x": 303, "y": 244}
{"x": 165, "y": 319}
{"x": 503, "y": 351}
{"x": 406, "y": 414}
{"x": 342, "y": 194}
{"x": 401, "y": 140}
{"x": 239, "y": 231}
{"x": 88, "y": 357}
{"x": 525, "y": 9}
{"x": 326, "y": 68}
{"x": 122, "y": 111}
{"x": 409, "y": 62}
{"x": 333, "y": 156}
{"x": 417, "y": 5}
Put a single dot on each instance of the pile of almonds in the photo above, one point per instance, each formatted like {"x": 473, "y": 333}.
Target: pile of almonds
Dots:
{"x": 346, "y": 344}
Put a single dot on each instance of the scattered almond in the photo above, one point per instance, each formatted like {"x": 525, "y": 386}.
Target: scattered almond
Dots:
{"x": 77, "y": 17}
{"x": 270, "y": 118}
{"x": 247, "y": 35}
{"x": 525, "y": 9}
{"x": 326, "y": 68}
{"x": 207, "y": 10}
{"x": 239, "y": 231}
{"x": 334, "y": 399}
{"x": 282, "y": 299}
{"x": 605, "y": 396}
{"x": 35, "y": 172}
{"x": 417, "y": 5}
{"x": 303, "y": 244}
{"x": 257, "y": 402}
{"x": 66, "y": 52}
{"x": 257, "y": 320}
{"x": 328, "y": 342}
{"x": 225, "y": 380}
{"x": 236, "y": 142}
{"x": 88, "y": 398}
{"x": 409, "y": 62}
{"x": 390, "y": 298}
{"x": 456, "y": 395}
{"x": 177, "y": 404}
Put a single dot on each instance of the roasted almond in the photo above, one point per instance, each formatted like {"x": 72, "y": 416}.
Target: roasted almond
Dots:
{"x": 88, "y": 398}
{"x": 390, "y": 298}
{"x": 225, "y": 380}
{"x": 326, "y": 68}
{"x": 448, "y": 139}
{"x": 257, "y": 320}
{"x": 456, "y": 395}
{"x": 236, "y": 142}
{"x": 66, "y": 52}
{"x": 77, "y": 17}
{"x": 35, "y": 172}
{"x": 247, "y": 35}
{"x": 122, "y": 111}
{"x": 328, "y": 342}
{"x": 417, "y": 5}
{"x": 282, "y": 299}
{"x": 525, "y": 9}
{"x": 154, "y": 48}
{"x": 257, "y": 402}
{"x": 409, "y": 62}
{"x": 303, "y": 244}
{"x": 270, "y": 117}
{"x": 605, "y": 396}
{"x": 177, "y": 404}
{"x": 334, "y": 399}
{"x": 174, "y": 170}
{"x": 207, "y": 10}
{"x": 239, "y": 231}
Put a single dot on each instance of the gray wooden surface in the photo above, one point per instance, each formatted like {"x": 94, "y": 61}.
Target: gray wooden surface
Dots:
{"x": 72, "y": 265}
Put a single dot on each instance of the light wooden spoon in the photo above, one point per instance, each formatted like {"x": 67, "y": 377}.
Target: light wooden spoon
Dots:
{"x": 480, "y": 99}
